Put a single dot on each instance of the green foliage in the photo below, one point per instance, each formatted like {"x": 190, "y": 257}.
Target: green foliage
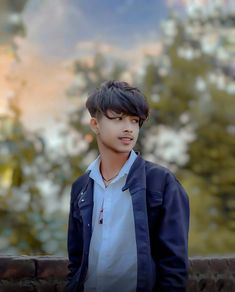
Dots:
{"x": 212, "y": 154}
{"x": 209, "y": 233}
{"x": 22, "y": 205}
{"x": 208, "y": 175}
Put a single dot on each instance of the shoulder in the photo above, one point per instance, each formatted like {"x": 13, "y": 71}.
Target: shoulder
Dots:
{"x": 162, "y": 182}
{"x": 157, "y": 174}
{"x": 156, "y": 169}
{"x": 159, "y": 177}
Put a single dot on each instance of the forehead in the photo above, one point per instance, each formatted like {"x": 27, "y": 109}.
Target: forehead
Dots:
{"x": 114, "y": 113}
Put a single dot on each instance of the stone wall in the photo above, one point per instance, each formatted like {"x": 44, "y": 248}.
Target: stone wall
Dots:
{"x": 47, "y": 274}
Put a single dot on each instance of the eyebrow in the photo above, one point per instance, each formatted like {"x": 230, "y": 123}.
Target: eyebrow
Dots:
{"x": 117, "y": 115}
{"x": 113, "y": 114}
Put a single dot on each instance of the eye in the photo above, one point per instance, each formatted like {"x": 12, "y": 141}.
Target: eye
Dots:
{"x": 136, "y": 120}
{"x": 115, "y": 118}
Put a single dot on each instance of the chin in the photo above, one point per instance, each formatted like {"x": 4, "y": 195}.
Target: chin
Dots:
{"x": 127, "y": 150}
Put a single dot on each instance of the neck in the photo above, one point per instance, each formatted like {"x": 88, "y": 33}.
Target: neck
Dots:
{"x": 111, "y": 163}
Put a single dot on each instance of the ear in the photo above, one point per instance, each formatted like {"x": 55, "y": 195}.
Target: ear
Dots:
{"x": 94, "y": 125}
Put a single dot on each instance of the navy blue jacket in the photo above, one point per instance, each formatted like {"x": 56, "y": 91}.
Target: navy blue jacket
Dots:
{"x": 161, "y": 215}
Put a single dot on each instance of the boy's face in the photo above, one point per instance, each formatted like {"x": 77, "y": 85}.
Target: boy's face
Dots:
{"x": 117, "y": 132}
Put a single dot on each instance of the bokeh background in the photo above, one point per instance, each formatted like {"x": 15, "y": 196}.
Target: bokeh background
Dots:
{"x": 52, "y": 53}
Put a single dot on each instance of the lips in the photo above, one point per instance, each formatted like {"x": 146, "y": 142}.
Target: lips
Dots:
{"x": 126, "y": 139}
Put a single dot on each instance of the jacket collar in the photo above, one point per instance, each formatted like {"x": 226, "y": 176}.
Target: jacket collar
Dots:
{"x": 136, "y": 178}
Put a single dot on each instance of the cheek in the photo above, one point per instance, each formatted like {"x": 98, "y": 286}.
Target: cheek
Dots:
{"x": 107, "y": 130}
{"x": 137, "y": 130}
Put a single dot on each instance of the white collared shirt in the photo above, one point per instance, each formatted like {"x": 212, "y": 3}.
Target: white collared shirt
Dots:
{"x": 113, "y": 254}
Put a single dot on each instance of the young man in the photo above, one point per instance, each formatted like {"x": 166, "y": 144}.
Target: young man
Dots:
{"x": 129, "y": 218}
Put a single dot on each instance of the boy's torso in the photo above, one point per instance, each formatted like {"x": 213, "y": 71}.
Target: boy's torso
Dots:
{"x": 112, "y": 252}
{"x": 147, "y": 183}
{"x": 136, "y": 184}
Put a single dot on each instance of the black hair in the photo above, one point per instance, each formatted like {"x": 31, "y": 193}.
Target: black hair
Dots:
{"x": 119, "y": 97}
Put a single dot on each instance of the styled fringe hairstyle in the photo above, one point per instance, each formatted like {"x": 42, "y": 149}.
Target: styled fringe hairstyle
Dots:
{"x": 119, "y": 97}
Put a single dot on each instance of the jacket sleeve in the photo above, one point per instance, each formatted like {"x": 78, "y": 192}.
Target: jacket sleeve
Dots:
{"x": 75, "y": 238}
{"x": 172, "y": 238}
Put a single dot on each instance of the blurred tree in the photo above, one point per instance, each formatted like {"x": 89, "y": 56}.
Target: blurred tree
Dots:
{"x": 10, "y": 19}
{"x": 24, "y": 166}
{"x": 183, "y": 98}
{"x": 173, "y": 79}
{"x": 212, "y": 160}
{"x": 21, "y": 202}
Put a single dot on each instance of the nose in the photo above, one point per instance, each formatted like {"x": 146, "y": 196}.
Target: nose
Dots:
{"x": 129, "y": 130}
{"x": 128, "y": 126}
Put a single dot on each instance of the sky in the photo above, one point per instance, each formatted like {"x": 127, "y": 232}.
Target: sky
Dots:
{"x": 60, "y": 31}
{"x": 57, "y": 27}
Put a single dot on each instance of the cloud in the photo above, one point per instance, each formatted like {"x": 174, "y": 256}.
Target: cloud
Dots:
{"x": 40, "y": 84}
{"x": 6, "y": 60}
{"x": 132, "y": 56}
{"x": 58, "y": 32}
{"x": 52, "y": 25}
{"x": 55, "y": 27}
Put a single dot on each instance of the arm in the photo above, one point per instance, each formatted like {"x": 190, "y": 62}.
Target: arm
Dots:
{"x": 75, "y": 238}
{"x": 172, "y": 253}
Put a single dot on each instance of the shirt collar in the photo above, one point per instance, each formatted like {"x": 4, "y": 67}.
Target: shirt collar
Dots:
{"x": 126, "y": 167}
{"x": 94, "y": 168}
